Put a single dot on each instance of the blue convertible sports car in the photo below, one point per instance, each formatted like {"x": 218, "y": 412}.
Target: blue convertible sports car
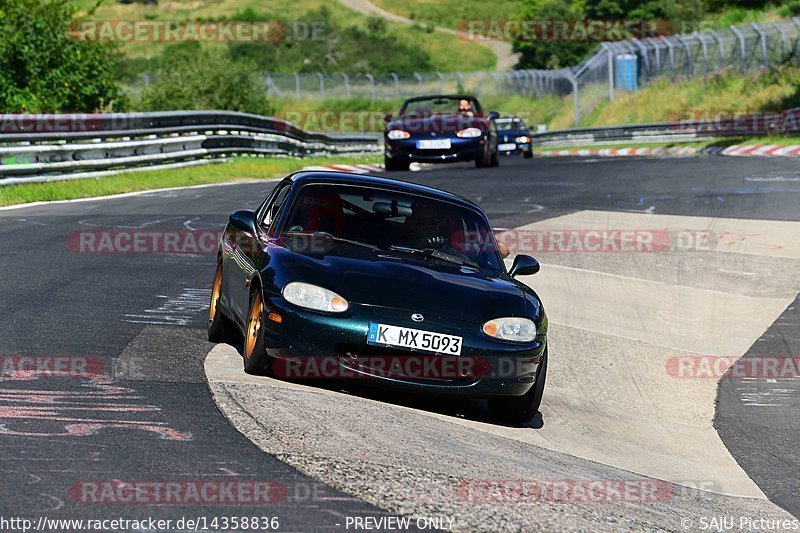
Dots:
{"x": 347, "y": 272}
{"x": 440, "y": 129}
{"x": 514, "y": 137}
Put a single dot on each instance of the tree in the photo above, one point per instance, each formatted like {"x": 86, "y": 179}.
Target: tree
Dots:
{"x": 44, "y": 69}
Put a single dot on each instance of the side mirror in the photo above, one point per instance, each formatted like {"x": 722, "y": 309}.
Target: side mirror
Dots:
{"x": 524, "y": 265}
{"x": 494, "y": 115}
{"x": 244, "y": 221}
{"x": 387, "y": 118}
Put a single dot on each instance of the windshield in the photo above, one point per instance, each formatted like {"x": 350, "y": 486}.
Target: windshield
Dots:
{"x": 511, "y": 125}
{"x": 448, "y": 105}
{"x": 355, "y": 218}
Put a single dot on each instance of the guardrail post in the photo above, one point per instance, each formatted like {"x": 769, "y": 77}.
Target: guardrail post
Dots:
{"x": 494, "y": 78}
{"x": 346, "y": 85}
{"x": 297, "y": 85}
{"x": 146, "y": 77}
{"x": 371, "y": 87}
{"x": 763, "y": 37}
{"x": 441, "y": 81}
{"x": 740, "y": 35}
{"x": 396, "y": 84}
{"x": 419, "y": 80}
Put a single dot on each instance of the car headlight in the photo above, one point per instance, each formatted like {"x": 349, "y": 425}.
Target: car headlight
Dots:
{"x": 469, "y": 133}
{"x": 522, "y": 140}
{"x": 313, "y": 297}
{"x": 398, "y": 134}
{"x": 515, "y": 329}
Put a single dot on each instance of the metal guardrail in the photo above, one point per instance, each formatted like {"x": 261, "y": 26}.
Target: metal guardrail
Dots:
{"x": 52, "y": 147}
{"x": 787, "y": 122}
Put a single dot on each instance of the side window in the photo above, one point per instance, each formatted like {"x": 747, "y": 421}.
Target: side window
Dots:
{"x": 273, "y": 209}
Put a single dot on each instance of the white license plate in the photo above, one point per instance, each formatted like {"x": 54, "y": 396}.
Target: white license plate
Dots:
{"x": 506, "y": 147}
{"x": 428, "y": 341}
{"x": 434, "y": 144}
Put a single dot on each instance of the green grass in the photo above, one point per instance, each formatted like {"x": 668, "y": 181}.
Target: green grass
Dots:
{"x": 780, "y": 140}
{"x": 450, "y": 13}
{"x": 238, "y": 170}
{"x": 447, "y": 52}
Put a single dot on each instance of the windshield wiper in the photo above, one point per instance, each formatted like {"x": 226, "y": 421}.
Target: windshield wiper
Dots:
{"x": 435, "y": 254}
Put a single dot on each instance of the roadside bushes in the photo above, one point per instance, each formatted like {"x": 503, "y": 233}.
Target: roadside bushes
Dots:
{"x": 193, "y": 77}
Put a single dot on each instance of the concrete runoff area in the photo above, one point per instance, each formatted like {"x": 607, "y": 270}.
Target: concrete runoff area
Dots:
{"x": 627, "y": 321}
{"x": 425, "y": 460}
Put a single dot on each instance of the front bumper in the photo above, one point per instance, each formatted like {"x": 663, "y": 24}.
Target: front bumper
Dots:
{"x": 518, "y": 149}
{"x": 339, "y": 342}
{"x": 460, "y": 150}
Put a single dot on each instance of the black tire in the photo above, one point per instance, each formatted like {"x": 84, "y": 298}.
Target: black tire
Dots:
{"x": 527, "y": 155}
{"x": 390, "y": 164}
{"x": 484, "y": 160}
{"x": 521, "y": 409}
{"x": 495, "y": 159}
{"x": 256, "y": 360}
{"x": 220, "y": 328}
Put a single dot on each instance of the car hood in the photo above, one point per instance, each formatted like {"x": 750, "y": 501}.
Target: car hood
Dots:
{"x": 512, "y": 134}
{"x": 437, "y": 124}
{"x": 388, "y": 280}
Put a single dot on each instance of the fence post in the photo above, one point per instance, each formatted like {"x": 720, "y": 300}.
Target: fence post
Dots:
{"x": 321, "y": 77}
{"x": 610, "y": 52}
{"x": 494, "y": 78}
{"x": 740, "y": 35}
{"x": 763, "y": 37}
{"x": 419, "y": 86}
{"x": 441, "y": 81}
{"x": 688, "y": 68}
{"x": 346, "y": 85}
{"x": 657, "y": 52}
{"x": 575, "y": 100}
{"x": 270, "y": 84}
{"x": 371, "y": 79}
{"x": 721, "y": 44}
{"x": 297, "y": 85}
{"x": 645, "y": 57}
{"x": 396, "y": 84}
{"x": 784, "y": 45}
{"x": 671, "y": 51}
{"x": 705, "y": 51}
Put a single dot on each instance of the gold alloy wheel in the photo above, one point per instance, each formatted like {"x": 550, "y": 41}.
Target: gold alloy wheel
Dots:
{"x": 253, "y": 325}
{"x": 212, "y": 309}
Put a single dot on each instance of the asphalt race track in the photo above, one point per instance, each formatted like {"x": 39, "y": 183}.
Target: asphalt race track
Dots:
{"x": 134, "y": 405}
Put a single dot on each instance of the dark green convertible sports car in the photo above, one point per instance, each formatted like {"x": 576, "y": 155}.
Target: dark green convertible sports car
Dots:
{"x": 343, "y": 276}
